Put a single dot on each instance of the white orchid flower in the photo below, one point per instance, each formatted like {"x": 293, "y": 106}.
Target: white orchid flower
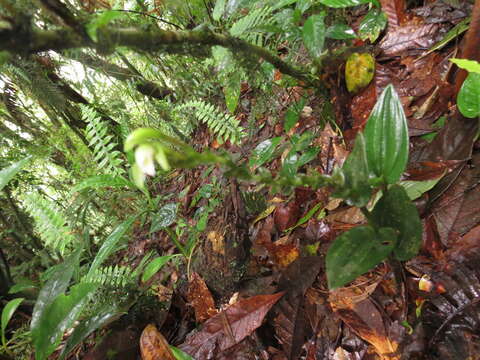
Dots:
{"x": 145, "y": 159}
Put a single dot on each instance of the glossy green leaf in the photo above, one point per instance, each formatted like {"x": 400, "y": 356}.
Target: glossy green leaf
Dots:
{"x": 469, "y": 65}
{"x": 357, "y": 251}
{"x": 154, "y": 266}
{"x": 343, "y": 3}
{"x": 101, "y": 181}
{"x": 179, "y": 354}
{"x": 165, "y": 216}
{"x": 110, "y": 244}
{"x": 218, "y": 10}
{"x": 57, "y": 283}
{"x": 314, "y": 34}
{"x": 340, "y": 32}
{"x": 396, "y": 210}
{"x": 356, "y": 189}
{"x": 386, "y": 137}
{"x": 415, "y": 189}
{"x": 264, "y": 152}
{"x": 58, "y": 317}
{"x": 103, "y": 317}
{"x": 9, "y": 172}
{"x": 372, "y": 25}
{"x": 19, "y": 287}
{"x": 7, "y": 314}
{"x": 468, "y": 99}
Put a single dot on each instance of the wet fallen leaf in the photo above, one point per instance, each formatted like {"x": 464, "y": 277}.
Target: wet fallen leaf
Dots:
{"x": 229, "y": 327}
{"x": 286, "y": 216}
{"x": 153, "y": 345}
{"x": 200, "y": 298}
{"x": 395, "y": 10}
{"x": 410, "y": 37}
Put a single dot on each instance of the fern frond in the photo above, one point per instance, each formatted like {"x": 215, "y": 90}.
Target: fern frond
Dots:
{"x": 50, "y": 222}
{"x": 224, "y": 125}
{"x": 247, "y": 27}
{"x": 117, "y": 276}
{"x": 109, "y": 161}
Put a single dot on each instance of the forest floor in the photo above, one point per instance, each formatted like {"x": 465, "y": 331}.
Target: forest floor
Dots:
{"x": 255, "y": 286}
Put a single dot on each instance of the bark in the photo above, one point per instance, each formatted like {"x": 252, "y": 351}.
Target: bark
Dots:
{"x": 17, "y": 39}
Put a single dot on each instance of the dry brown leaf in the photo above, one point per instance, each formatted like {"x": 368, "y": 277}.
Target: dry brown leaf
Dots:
{"x": 200, "y": 298}
{"x": 229, "y": 327}
{"x": 153, "y": 345}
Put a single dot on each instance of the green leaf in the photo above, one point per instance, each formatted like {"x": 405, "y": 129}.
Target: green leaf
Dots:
{"x": 396, "y": 210}
{"x": 57, "y": 283}
{"x": 218, "y": 9}
{"x": 357, "y": 251}
{"x": 359, "y": 71}
{"x": 154, "y": 266}
{"x": 9, "y": 172}
{"x": 179, "y": 354}
{"x": 19, "y": 287}
{"x": 344, "y": 3}
{"x": 415, "y": 189}
{"x": 307, "y": 217}
{"x": 468, "y": 99}
{"x": 372, "y": 25}
{"x": 293, "y": 114}
{"x": 110, "y": 244}
{"x": 304, "y": 5}
{"x": 166, "y": 216}
{"x": 104, "y": 316}
{"x": 283, "y": 3}
{"x": 58, "y": 317}
{"x": 7, "y": 314}
{"x": 340, "y": 32}
{"x": 314, "y": 34}
{"x": 232, "y": 92}
{"x": 386, "y": 137}
{"x": 469, "y": 65}
{"x": 103, "y": 19}
{"x": 264, "y": 152}
{"x": 356, "y": 189}
{"x": 100, "y": 181}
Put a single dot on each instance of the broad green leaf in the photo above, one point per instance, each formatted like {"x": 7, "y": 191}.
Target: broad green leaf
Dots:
{"x": 469, "y": 65}
{"x": 218, "y": 9}
{"x": 340, "y": 32}
{"x": 9, "y": 172}
{"x": 264, "y": 152}
{"x": 468, "y": 99}
{"x": 103, "y": 317}
{"x": 372, "y": 25}
{"x": 232, "y": 92}
{"x": 154, "y": 266}
{"x": 283, "y": 3}
{"x": 396, "y": 210}
{"x": 58, "y": 317}
{"x": 359, "y": 71}
{"x": 100, "y": 181}
{"x": 386, "y": 137}
{"x": 19, "y": 287}
{"x": 166, "y": 216}
{"x": 357, "y": 251}
{"x": 290, "y": 164}
{"x": 110, "y": 244}
{"x": 293, "y": 114}
{"x": 343, "y": 3}
{"x": 415, "y": 189}
{"x": 57, "y": 283}
{"x": 179, "y": 354}
{"x": 356, "y": 189}
{"x": 304, "y": 5}
{"x": 103, "y": 19}
{"x": 7, "y": 314}
{"x": 314, "y": 34}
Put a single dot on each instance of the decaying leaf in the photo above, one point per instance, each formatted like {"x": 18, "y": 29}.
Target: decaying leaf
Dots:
{"x": 200, "y": 298}
{"x": 229, "y": 327}
{"x": 153, "y": 345}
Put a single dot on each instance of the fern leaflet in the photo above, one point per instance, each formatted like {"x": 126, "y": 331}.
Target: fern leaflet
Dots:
{"x": 247, "y": 27}
{"x": 108, "y": 160}
{"x": 117, "y": 276}
{"x": 224, "y": 125}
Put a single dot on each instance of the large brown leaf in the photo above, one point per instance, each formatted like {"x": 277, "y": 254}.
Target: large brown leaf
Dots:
{"x": 153, "y": 345}
{"x": 410, "y": 37}
{"x": 200, "y": 298}
{"x": 395, "y": 10}
{"x": 229, "y": 327}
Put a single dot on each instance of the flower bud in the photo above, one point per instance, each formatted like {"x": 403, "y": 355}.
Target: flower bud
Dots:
{"x": 144, "y": 158}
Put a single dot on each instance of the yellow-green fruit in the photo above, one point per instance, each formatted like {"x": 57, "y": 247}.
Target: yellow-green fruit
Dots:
{"x": 359, "y": 71}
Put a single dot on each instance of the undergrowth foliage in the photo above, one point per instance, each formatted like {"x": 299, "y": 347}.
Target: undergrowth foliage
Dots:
{"x": 224, "y": 125}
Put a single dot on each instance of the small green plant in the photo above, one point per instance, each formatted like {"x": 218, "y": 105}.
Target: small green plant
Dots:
{"x": 376, "y": 164}
{"x": 468, "y": 99}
